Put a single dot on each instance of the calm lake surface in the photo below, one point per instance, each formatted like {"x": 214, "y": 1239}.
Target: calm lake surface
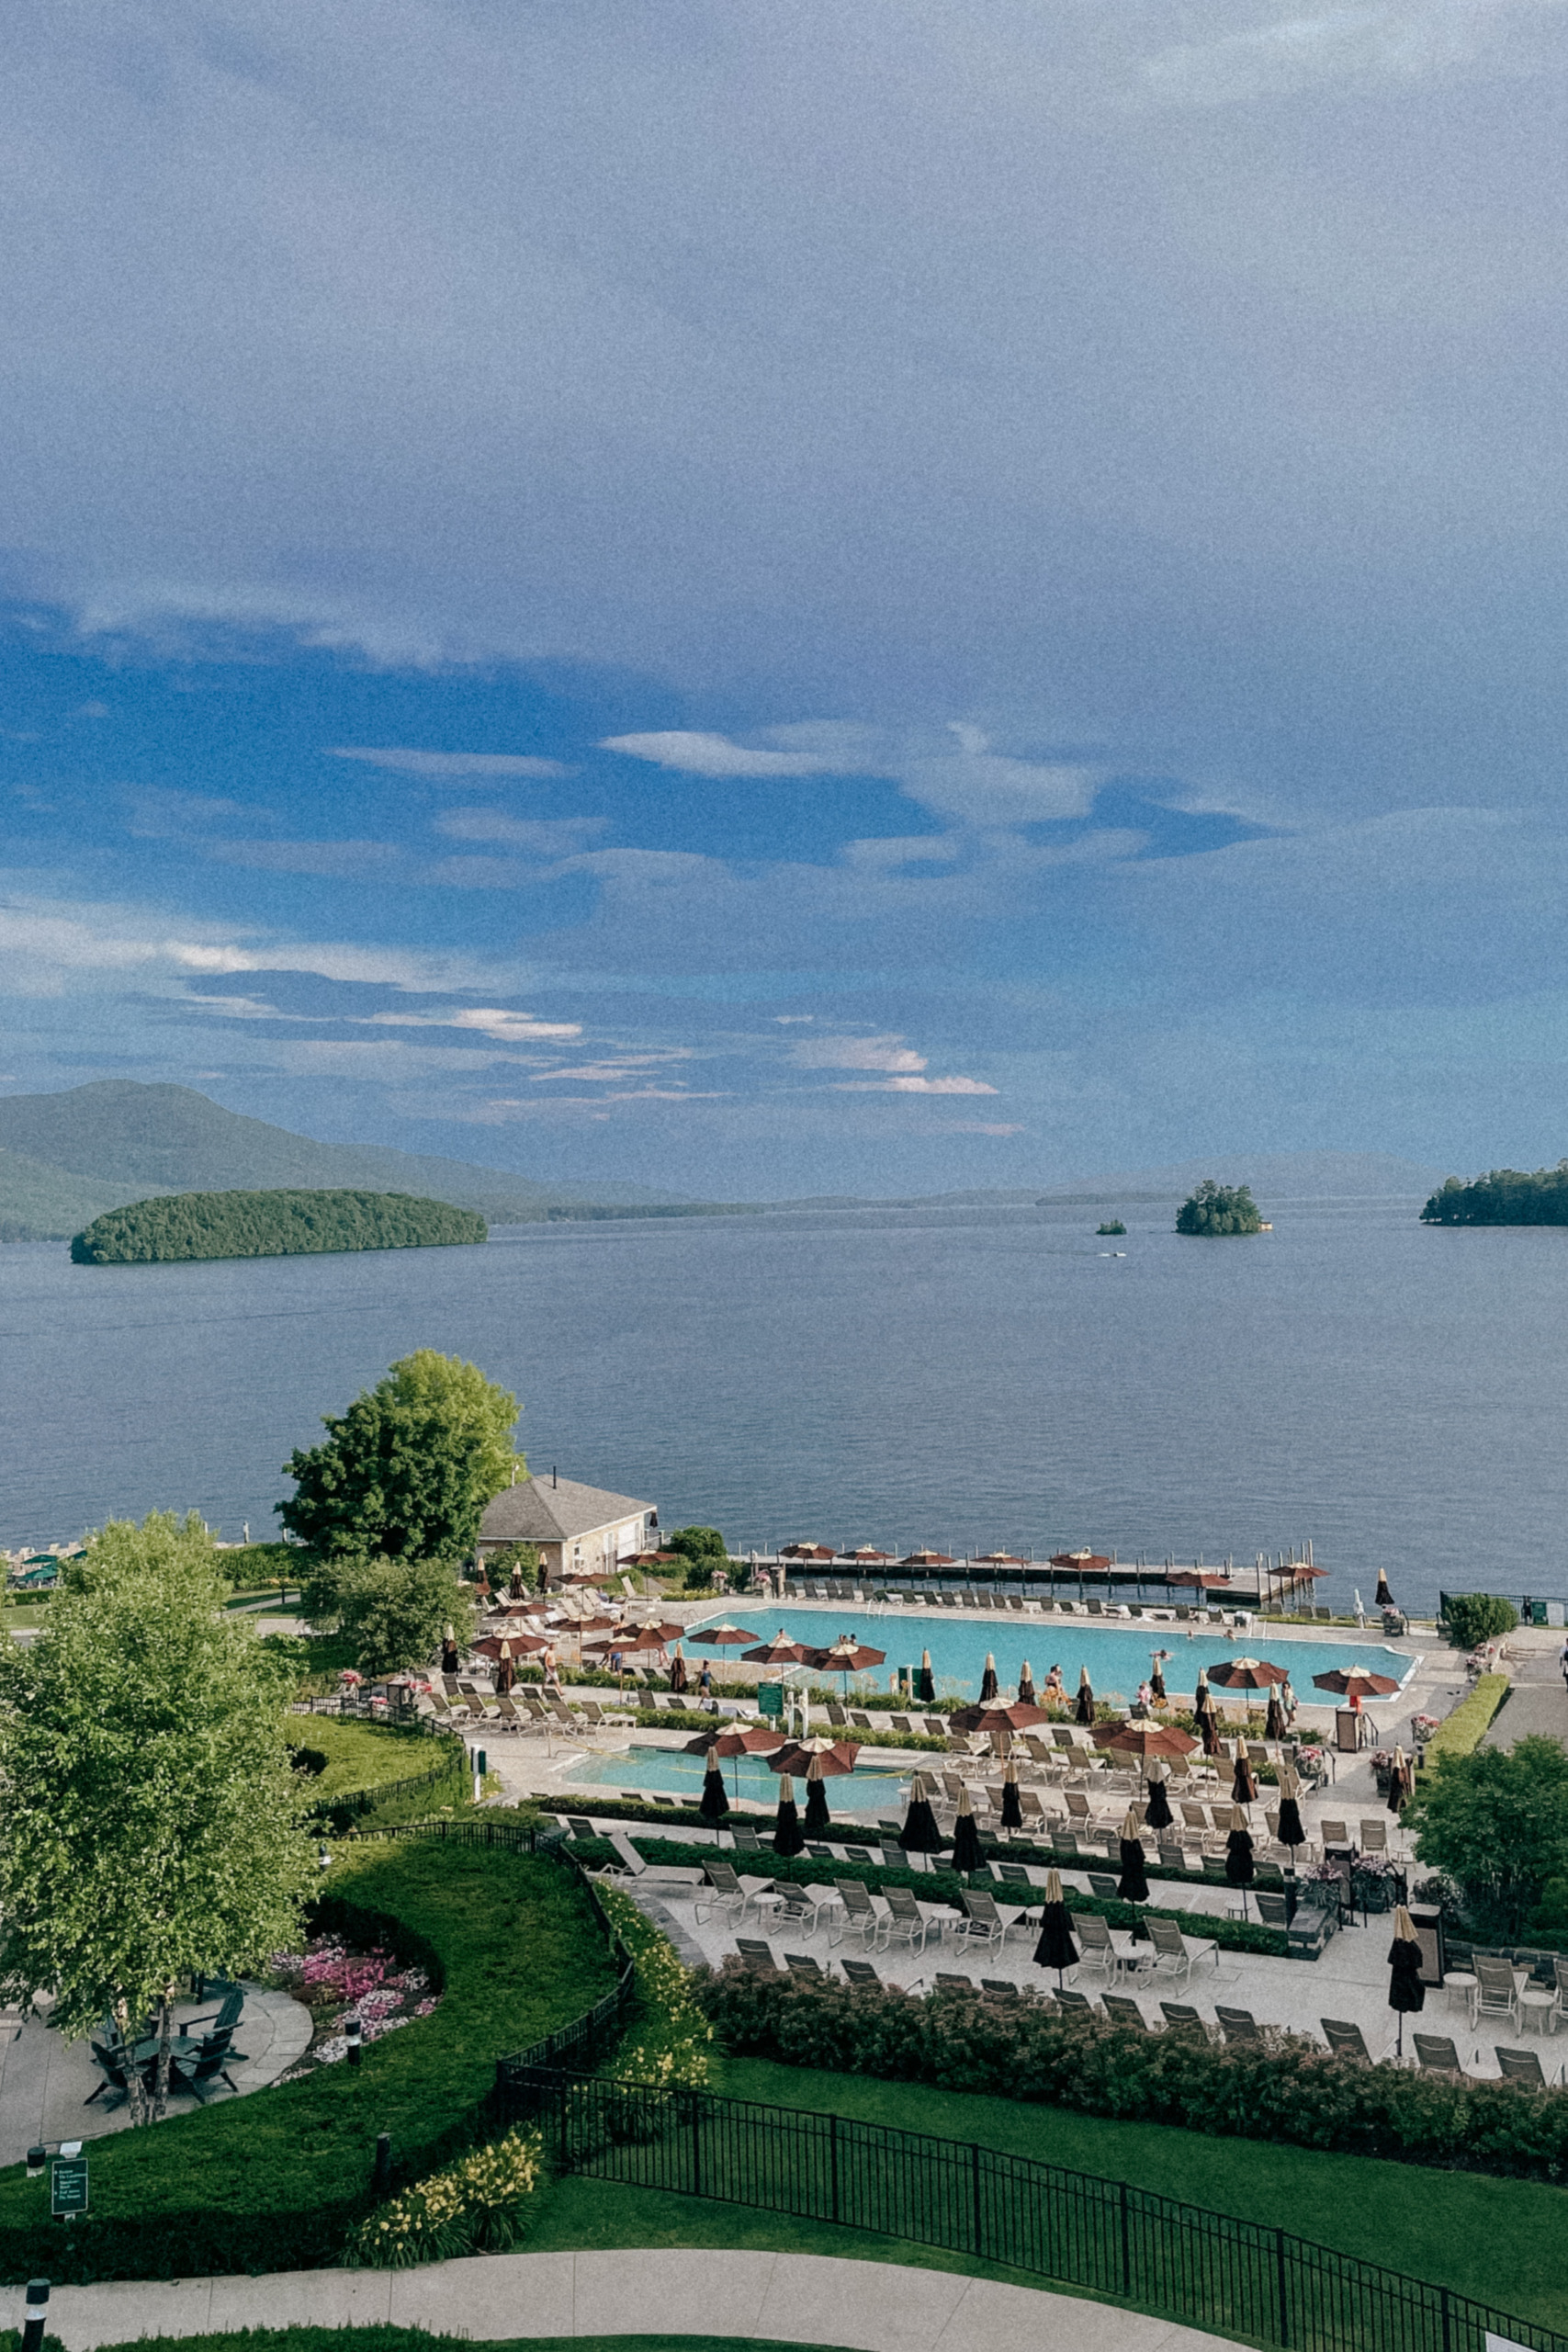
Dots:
{"x": 979, "y": 1378}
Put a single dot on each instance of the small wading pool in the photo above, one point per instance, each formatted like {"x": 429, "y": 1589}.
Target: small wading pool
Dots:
{"x": 666, "y": 1772}
{"x": 1117, "y": 1659}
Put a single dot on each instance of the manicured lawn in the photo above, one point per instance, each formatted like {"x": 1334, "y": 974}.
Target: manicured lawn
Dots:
{"x": 363, "y": 1756}
{"x": 1498, "y": 2240}
{"x": 273, "y": 2181}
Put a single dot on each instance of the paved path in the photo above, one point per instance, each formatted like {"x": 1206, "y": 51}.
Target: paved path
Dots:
{"x": 787, "y": 2297}
{"x": 1538, "y": 1702}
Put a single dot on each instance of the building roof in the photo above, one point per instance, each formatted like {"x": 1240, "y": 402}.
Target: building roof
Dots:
{"x": 554, "y": 1510}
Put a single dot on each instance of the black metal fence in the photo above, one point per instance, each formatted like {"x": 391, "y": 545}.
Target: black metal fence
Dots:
{"x": 1261, "y": 2284}
{"x": 340, "y": 1811}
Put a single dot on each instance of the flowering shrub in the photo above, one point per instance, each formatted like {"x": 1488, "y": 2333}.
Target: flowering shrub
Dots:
{"x": 335, "y": 1983}
{"x": 670, "y": 2047}
{"x": 475, "y": 2206}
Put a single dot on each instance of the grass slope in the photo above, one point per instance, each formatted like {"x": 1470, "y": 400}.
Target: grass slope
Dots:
{"x": 185, "y": 1226}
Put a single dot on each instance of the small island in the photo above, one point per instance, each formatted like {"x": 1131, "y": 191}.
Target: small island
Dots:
{"x": 1113, "y": 1225}
{"x": 270, "y": 1225}
{"x": 1218, "y": 1209}
{"x": 1506, "y": 1196}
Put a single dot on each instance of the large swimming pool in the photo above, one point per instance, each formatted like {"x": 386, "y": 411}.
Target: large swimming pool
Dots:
{"x": 669, "y": 1772}
{"x": 1117, "y": 1659}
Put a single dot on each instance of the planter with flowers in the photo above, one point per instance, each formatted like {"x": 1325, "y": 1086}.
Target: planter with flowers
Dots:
{"x": 335, "y": 1982}
{"x": 1320, "y": 1887}
{"x": 1373, "y": 1883}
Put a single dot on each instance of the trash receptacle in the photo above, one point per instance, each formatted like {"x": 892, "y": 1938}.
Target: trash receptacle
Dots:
{"x": 1426, "y": 1919}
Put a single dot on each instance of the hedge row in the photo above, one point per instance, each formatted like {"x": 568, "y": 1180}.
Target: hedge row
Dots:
{"x": 1294, "y": 2092}
{"x": 946, "y": 1886}
{"x": 1462, "y": 1731}
{"x": 277, "y": 2180}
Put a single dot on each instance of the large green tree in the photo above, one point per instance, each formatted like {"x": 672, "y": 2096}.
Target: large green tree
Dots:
{"x": 149, "y": 1818}
{"x": 407, "y": 1471}
{"x": 1219, "y": 1209}
{"x": 1496, "y": 1822}
{"x": 394, "y": 1611}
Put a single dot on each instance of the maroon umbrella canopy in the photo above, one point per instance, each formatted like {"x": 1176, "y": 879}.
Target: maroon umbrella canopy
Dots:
{"x": 1095, "y": 1560}
{"x": 647, "y": 1639}
{"x": 754, "y": 1742}
{"x": 1247, "y": 1674}
{"x": 847, "y": 1657}
{"x": 721, "y": 1638}
{"x": 517, "y": 1643}
{"x": 806, "y": 1552}
{"x": 1150, "y": 1739}
{"x": 834, "y": 1756}
{"x": 998, "y": 1560}
{"x": 1358, "y": 1680}
{"x": 928, "y": 1560}
{"x": 869, "y": 1553}
{"x": 1204, "y": 1576}
{"x": 1016, "y": 1717}
{"x": 781, "y": 1651}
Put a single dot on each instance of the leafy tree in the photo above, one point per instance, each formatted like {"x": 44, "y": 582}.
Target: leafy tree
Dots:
{"x": 1496, "y": 1822}
{"x": 1472, "y": 1618}
{"x": 521, "y": 1556}
{"x": 1219, "y": 1208}
{"x": 270, "y": 1225}
{"x": 704, "y": 1550}
{"x": 150, "y": 1824}
{"x": 1504, "y": 1197}
{"x": 408, "y": 1470}
{"x": 394, "y": 1611}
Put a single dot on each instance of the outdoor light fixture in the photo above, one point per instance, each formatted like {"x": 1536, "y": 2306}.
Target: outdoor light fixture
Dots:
{"x": 352, "y": 2030}
{"x": 36, "y": 2159}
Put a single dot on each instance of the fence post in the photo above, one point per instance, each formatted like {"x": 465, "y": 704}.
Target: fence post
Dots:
{"x": 833, "y": 2165}
{"x": 697, "y": 2143}
{"x": 1283, "y": 2330}
{"x": 1127, "y": 2241}
{"x": 1447, "y": 2345}
{"x": 979, "y": 2205}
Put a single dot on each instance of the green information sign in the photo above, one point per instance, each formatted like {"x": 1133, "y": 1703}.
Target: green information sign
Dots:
{"x": 770, "y": 1698}
{"x": 68, "y": 2185}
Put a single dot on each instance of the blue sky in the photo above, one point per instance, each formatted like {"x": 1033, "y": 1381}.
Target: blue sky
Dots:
{"x": 796, "y": 598}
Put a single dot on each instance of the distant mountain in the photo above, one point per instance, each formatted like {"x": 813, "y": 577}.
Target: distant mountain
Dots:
{"x": 1283, "y": 1175}
{"x": 66, "y": 1158}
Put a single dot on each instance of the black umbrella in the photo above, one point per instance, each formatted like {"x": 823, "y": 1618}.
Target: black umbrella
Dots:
{"x": 1401, "y": 1782}
{"x": 989, "y": 1686}
{"x": 1406, "y": 1994}
{"x": 1157, "y": 1815}
{"x": 1203, "y": 1697}
{"x": 1244, "y": 1788}
{"x": 1240, "y": 1870}
{"x": 676, "y": 1671}
{"x": 920, "y": 1834}
{"x": 1133, "y": 1885}
{"x": 714, "y": 1803}
{"x": 1208, "y": 1732}
{"x": 1026, "y": 1685}
{"x": 817, "y": 1818}
{"x": 1383, "y": 1598}
{"x": 966, "y": 1836}
{"x": 788, "y": 1837}
{"x": 1274, "y": 1726}
{"x": 1085, "y": 1709}
{"x": 1157, "y": 1679}
{"x": 925, "y": 1681}
{"x": 1056, "y": 1949}
{"x": 1012, "y": 1812}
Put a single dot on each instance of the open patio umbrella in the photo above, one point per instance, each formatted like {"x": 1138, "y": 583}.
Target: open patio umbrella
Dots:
{"x": 519, "y": 1645}
{"x": 1085, "y": 1708}
{"x": 1240, "y": 1869}
{"x": 817, "y": 1818}
{"x": 676, "y": 1671}
{"x": 920, "y": 1834}
{"x": 1291, "y": 1833}
{"x": 1406, "y": 1994}
{"x": 1025, "y": 1686}
{"x": 1247, "y": 1674}
{"x": 965, "y": 1836}
{"x": 849, "y": 1657}
{"x": 1008, "y": 1717}
{"x": 755, "y": 1739}
{"x": 834, "y": 1756}
{"x": 780, "y": 1651}
{"x": 1145, "y": 1740}
{"x": 925, "y": 1681}
{"x": 1358, "y": 1681}
{"x": 713, "y": 1804}
{"x": 1133, "y": 1885}
{"x": 788, "y": 1837}
{"x": 1401, "y": 1782}
{"x": 989, "y": 1686}
{"x": 924, "y": 1559}
{"x": 1157, "y": 1813}
{"x": 1012, "y": 1812}
{"x": 1082, "y": 1561}
{"x": 1274, "y": 1723}
{"x": 1383, "y": 1598}
{"x": 1056, "y": 1949}
{"x": 1244, "y": 1788}
{"x": 724, "y": 1637}
{"x": 643, "y": 1643}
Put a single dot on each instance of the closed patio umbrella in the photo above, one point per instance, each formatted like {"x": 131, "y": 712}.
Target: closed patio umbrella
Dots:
{"x": 989, "y": 1686}
{"x": 1012, "y": 1812}
{"x": 1085, "y": 1708}
{"x": 1133, "y": 1885}
{"x": 713, "y": 1804}
{"x": 788, "y": 1837}
{"x": 1209, "y": 1731}
{"x": 1025, "y": 1686}
{"x": 920, "y": 1834}
{"x": 1244, "y": 1788}
{"x": 1157, "y": 1813}
{"x": 1203, "y": 1697}
{"x": 1240, "y": 1869}
{"x": 1274, "y": 1725}
{"x": 677, "y": 1672}
{"x": 965, "y": 1836}
{"x": 817, "y": 1818}
{"x": 1056, "y": 1949}
{"x": 1383, "y": 1598}
{"x": 1291, "y": 1833}
{"x": 1401, "y": 1782}
{"x": 1406, "y": 1994}
{"x": 925, "y": 1681}
{"x": 1156, "y": 1679}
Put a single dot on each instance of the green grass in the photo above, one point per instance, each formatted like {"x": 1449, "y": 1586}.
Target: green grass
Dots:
{"x": 413, "y": 2339}
{"x": 1498, "y": 2240}
{"x": 273, "y": 2182}
{"x": 363, "y": 1756}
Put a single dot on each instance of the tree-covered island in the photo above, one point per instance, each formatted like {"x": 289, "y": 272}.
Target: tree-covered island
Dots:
{"x": 1506, "y": 1196}
{"x": 1219, "y": 1208}
{"x": 270, "y": 1225}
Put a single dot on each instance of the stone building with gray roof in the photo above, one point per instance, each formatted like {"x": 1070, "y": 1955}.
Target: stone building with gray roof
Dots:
{"x": 578, "y": 1529}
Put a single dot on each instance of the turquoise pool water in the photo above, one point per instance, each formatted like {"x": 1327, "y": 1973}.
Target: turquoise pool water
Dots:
{"x": 672, "y": 1774}
{"x": 1116, "y": 1660}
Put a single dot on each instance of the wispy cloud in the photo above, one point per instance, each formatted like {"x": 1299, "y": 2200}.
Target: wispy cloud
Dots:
{"x": 855, "y": 1053}
{"x": 450, "y": 767}
{"x": 545, "y": 836}
{"x": 914, "y": 1086}
{"x": 700, "y": 754}
{"x": 490, "y": 1021}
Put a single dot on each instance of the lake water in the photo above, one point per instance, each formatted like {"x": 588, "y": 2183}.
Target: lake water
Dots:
{"x": 961, "y": 1378}
{"x": 1117, "y": 1659}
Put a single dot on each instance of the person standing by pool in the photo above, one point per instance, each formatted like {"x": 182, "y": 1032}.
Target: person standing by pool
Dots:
{"x": 705, "y": 1680}
{"x": 1054, "y": 1688}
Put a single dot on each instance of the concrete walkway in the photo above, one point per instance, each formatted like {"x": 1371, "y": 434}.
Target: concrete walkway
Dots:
{"x": 787, "y": 2297}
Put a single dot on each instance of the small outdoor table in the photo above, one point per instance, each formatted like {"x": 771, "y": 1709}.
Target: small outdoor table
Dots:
{"x": 1534, "y": 2002}
{"x": 1460, "y": 1983}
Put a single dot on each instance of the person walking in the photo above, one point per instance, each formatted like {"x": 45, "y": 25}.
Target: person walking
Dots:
{"x": 1563, "y": 1662}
